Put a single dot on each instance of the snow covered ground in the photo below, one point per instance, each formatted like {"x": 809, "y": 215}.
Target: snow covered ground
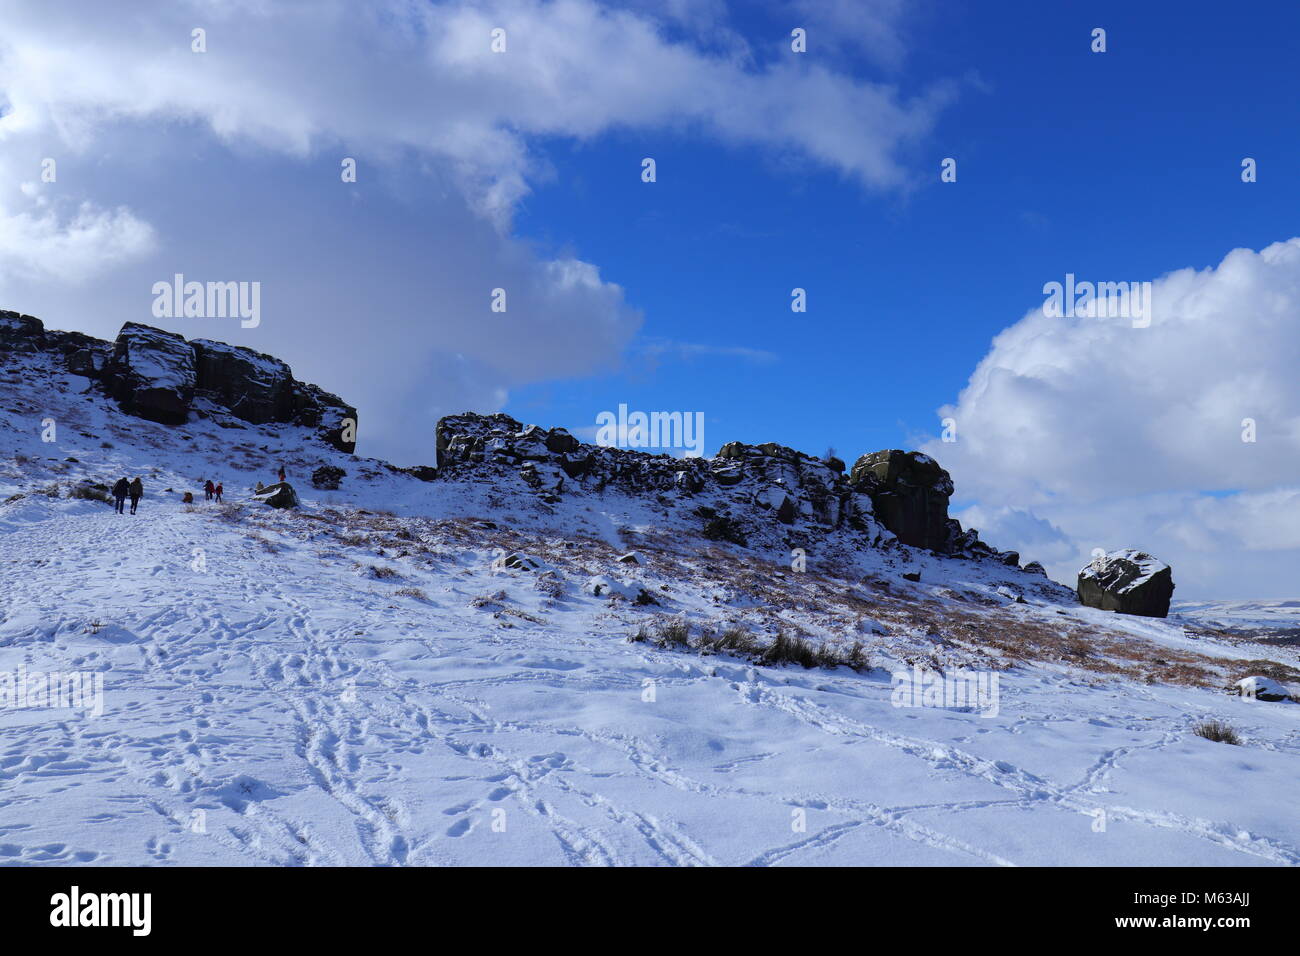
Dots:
{"x": 1276, "y": 621}
{"x": 363, "y": 682}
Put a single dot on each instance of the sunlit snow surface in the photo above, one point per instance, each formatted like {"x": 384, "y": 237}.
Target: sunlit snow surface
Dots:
{"x": 270, "y": 700}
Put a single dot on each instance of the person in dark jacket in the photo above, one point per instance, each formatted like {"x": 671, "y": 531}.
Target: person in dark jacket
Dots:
{"x": 218, "y": 492}
{"x": 119, "y": 493}
{"x": 282, "y": 474}
{"x": 136, "y": 491}
{"x": 208, "y": 489}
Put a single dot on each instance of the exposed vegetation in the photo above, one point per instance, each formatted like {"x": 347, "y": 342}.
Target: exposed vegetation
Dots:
{"x": 1217, "y": 731}
{"x": 675, "y": 634}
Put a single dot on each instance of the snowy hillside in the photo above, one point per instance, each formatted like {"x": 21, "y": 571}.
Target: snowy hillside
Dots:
{"x": 460, "y": 671}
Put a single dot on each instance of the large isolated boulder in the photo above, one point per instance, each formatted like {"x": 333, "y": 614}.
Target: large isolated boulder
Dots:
{"x": 151, "y": 374}
{"x": 255, "y": 387}
{"x": 1127, "y": 581}
{"x": 279, "y": 495}
{"x": 909, "y": 494}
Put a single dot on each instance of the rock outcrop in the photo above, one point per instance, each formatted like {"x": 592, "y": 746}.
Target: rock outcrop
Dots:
{"x": 80, "y": 353}
{"x": 764, "y": 482}
{"x": 910, "y": 493}
{"x": 160, "y": 376}
{"x": 151, "y": 374}
{"x": 746, "y": 493}
{"x": 21, "y": 333}
{"x": 749, "y": 495}
{"x": 253, "y": 386}
{"x": 1128, "y": 581}
{"x": 334, "y": 420}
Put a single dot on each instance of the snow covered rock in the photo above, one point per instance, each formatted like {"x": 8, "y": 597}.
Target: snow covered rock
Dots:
{"x": 1262, "y": 688}
{"x": 279, "y": 495}
{"x": 328, "y": 414}
{"x": 779, "y": 501}
{"x": 260, "y": 388}
{"x": 518, "y": 561}
{"x": 603, "y": 585}
{"x": 255, "y": 387}
{"x": 81, "y": 354}
{"x": 157, "y": 375}
{"x": 561, "y": 442}
{"x": 85, "y": 362}
{"x": 909, "y": 493}
{"x": 1128, "y": 581}
{"x": 20, "y": 333}
{"x": 152, "y": 374}
{"x": 755, "y": 496}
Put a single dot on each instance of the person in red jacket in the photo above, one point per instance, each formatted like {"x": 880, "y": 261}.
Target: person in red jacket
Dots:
{"x": 218, "y": 492}
{"x": 282, "y": 474}
{"x": 208, "y": 489}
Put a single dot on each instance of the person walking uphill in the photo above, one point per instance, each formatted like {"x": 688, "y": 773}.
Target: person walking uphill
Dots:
{"x": 208, "y": 489}
{"x": 119, "y": 493}
{"x": 218, "y": 492}
{"x": 136, "y": 491}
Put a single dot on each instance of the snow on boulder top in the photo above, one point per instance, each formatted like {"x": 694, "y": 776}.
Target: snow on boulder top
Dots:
{"x": 1144, "y": 567}
{"x": 1262, "y": 688}
{"x": 1127, "y": 581}
{"x": 151, "y": 374}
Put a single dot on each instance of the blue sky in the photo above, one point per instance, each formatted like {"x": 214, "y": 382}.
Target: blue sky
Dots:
{"x": 775, "y": 170}
{"x": 1124, "y": 164}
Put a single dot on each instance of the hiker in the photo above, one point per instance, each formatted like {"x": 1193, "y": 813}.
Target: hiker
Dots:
{"x": 282, "y": 474}
{"x": 218, "y": 492}
{"x": 208, "y": 489}
{"x": 136, "y": 491}
{"x": 119, "y": 493}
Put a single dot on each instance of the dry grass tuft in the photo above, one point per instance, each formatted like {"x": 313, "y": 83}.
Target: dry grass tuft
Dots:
{"x": 1217, "y": 731}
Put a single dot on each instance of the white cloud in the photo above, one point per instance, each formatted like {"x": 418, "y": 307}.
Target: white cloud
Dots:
{"x": 653, "y": 350}
{"x": 872, "y": 26}
{"x": 39, "y": 244}
{"x": 1126, "y": 436}
{"x": 399, "y": 75}
{"x": 1016, "y": 529}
